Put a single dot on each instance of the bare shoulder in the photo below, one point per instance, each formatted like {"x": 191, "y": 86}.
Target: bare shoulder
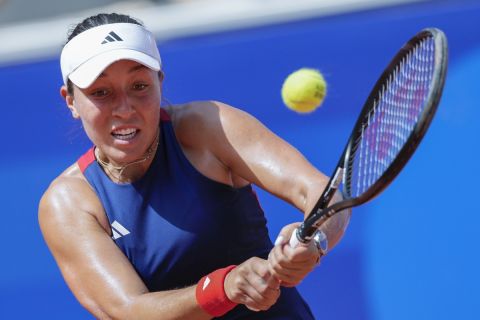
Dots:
{"x": 202, "y": 130}
{"x": 210, "y": 118}
{"x": 69, "y": 199}
{"x": 197, "y": 112}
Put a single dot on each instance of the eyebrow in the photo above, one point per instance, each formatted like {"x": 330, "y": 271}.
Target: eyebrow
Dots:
{"x": 131, "y": 70}
{"x": 137, "y": 67}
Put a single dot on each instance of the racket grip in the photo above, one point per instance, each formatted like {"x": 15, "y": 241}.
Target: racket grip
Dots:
{"x": 295, "y": 240}
{"x": 319, "y": 238}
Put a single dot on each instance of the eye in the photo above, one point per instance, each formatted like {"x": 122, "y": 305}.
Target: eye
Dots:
{"x": 100, "y": 93}
{"x": 140, "y": 86}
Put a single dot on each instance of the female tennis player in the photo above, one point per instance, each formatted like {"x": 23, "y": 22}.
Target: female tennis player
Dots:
{"x": 159, "y": 220}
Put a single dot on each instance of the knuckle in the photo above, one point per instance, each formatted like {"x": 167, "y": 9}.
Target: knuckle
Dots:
{"x": 239, "y": 283}
{"x": 282, "y": 278}
{"x": 238, "y": 295}
{"x": 263, "y": 272}
{"x": 273, "y": 255}
{"x": 277, "y": 268}
{"x": 254, "y": 259}
{"x": 263, "y": 290}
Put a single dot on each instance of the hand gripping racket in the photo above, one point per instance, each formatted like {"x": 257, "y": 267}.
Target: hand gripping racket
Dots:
{"x": 391, "y": 124}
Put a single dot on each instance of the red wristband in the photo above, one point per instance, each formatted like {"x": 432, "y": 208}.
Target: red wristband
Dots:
{"x": 210, "y": 293}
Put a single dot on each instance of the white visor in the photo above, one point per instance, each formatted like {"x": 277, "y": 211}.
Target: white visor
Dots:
{"x": 85, "y": 57}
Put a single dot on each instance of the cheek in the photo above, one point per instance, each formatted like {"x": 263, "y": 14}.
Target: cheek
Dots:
{"x": 91, "y": 130}
{"x": 151, "y": 114}
{"x": 150, "y": 104}
{"x": 92, "y": 120}
{"x": 91, "y": 116}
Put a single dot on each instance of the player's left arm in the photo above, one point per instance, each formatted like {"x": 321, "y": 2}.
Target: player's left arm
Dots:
{"x": 251, "y": 151}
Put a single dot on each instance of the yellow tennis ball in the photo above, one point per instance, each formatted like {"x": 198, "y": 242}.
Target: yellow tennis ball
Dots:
{"x": 304, "y": 90}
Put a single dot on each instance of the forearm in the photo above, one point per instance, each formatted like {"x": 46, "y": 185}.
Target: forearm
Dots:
{"x": 172, "y": 304}
{"x": 219, "y": 292}
{"x": 335, "y": 226}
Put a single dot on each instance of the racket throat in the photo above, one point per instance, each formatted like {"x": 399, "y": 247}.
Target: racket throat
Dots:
{"x": 305, "y": 233}
{"x": 318, "y": 213}
{"x": 332, "y": 187}
{"x": 338, "y": 177}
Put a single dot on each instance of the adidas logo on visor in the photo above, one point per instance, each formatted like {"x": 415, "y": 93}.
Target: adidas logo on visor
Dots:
{"x": 111, "y": 37}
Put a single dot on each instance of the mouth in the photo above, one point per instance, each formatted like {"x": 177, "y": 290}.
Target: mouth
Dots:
{"x": 125, "y": 134}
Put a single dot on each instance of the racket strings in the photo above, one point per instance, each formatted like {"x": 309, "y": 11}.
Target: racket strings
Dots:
{"x": 393, "y": 115}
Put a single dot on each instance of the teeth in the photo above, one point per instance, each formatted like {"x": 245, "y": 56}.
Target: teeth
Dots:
{"x": 124, "y": 131}
{"x": 124, "y": 134}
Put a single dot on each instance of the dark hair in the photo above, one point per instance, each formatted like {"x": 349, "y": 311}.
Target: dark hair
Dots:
{"x": 95, "y": 21}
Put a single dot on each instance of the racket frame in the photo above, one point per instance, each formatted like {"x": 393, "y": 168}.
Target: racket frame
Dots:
{"x": 320, "y": 212}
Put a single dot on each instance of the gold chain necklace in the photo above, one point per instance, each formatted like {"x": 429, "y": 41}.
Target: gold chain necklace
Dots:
{"x": 113, "y": 169}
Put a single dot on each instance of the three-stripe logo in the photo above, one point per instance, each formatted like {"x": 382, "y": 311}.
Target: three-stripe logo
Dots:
{"x": 118, "y": 230}
{"x": 111, "y": 37}
{"x": 206, "y": 283}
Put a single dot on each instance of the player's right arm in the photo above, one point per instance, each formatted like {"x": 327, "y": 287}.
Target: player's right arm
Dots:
{"x": 102, "y": 278}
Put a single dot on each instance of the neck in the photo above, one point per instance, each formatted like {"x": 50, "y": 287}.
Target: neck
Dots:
{"x": 131, "y": 171}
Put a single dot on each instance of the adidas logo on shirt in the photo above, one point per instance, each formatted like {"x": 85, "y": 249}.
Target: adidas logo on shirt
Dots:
{"x": 111, "y": 37}
{"x": 118, "y": 230}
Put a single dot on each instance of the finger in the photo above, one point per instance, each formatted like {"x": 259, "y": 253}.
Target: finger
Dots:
{"x": 262, "y": 270}
{"x": 303, "y": 254}
{"x": 281, "y": 273}
{"x": 260, "y": 299}
{"x": 259, "y": 289}
{"x": 292, "y": 259}
{"x": 290, "y": 274}
{"x": 249, "y": 303}
{"x": 245, "y": 293}
{"x": 263, "y": 281}
{"x": 293, "y": 272}
{"x": 292, "y": 278}
{"x": 278, "y": 264}
{"x": 253, "y": 302}
{"x": 272, "y": 282}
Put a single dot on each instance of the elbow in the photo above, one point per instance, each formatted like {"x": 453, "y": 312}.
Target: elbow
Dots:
{"x": 308, "y": 193}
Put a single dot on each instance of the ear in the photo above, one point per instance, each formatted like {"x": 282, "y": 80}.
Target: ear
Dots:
{"x": 70, "y": 101}
{"x": 161, "y": 76}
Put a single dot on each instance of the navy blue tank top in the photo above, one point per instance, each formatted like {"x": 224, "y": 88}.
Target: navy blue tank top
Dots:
{"x": 175, "y": 225}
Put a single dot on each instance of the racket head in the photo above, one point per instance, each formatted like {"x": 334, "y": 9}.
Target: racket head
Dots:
{"x": 406, "y": 95}
{"x": 417, "y": 93}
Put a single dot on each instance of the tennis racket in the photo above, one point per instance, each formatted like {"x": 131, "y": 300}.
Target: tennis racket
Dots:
{"x": 391, "y": 125}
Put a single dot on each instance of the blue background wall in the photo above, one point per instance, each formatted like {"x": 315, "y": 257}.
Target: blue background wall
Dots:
{"x": 411, "y": 254}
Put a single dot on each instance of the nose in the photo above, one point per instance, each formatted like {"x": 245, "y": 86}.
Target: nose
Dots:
{"x": 124, "y": 107}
